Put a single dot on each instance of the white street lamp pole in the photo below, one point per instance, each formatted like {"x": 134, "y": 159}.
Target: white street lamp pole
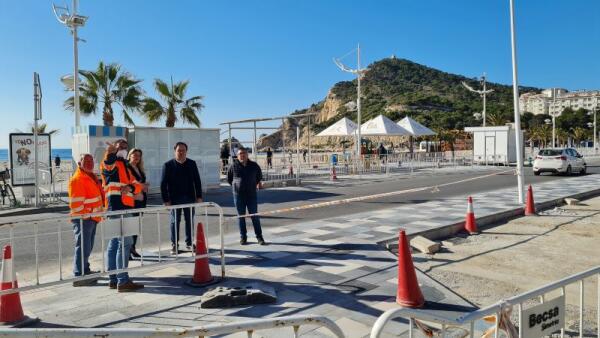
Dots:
{"x": 520, "y": 178}
{"x": 553, "y": 131}
{"x": 76, "y": 68}
{"x": 359, "y": 117}
{"x": 595, "y": 133}
{"x": 484, "y": 93}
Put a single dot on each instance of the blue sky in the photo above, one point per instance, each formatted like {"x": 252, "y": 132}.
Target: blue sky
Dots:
{"x": 270, "y": 57}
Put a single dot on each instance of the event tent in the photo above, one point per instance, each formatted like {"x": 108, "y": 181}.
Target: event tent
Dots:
{"x": 414, "y": 127}
{"x": 382, "y": 126}
{"x": 343, "y": 127}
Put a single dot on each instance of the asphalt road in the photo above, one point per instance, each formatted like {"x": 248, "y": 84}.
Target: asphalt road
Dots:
{"x": 269, "y": 199}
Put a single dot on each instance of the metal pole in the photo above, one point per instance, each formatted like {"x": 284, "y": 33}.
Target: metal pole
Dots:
{"x": 76, "y": 68}
{"x": 36, "y": 107}
{"x": 520, "y": 183}
{"x": 358, "y": 74}
{"x": 553, "y": 131}
{"x": 230, "y": 146}
{"x": 595, "y": 133}
{"x": 309, "y": 150}
{"x": 283, "y": 139}
{"x": 254, "y": 144}
{"x": 484, "y": 101}
{"x": 298, "y": 155}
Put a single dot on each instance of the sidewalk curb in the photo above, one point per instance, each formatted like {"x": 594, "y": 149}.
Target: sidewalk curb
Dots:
{"x": 488, "y": 221}
{"x": 32, "y": 211}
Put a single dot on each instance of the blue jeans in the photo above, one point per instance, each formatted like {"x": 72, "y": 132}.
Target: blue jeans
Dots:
{"x": 117, "y": 257}
{"x": 83, "y": 236}
{"x": 176, "y": 219}
{"x": 243, "y": 202}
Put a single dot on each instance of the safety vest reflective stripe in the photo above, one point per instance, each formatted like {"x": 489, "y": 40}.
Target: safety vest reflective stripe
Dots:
{"x": 76, "y": 199}
{"x": 92, "y": 200}
{"x": 114, "y": 184}
{"x": 113, "y": 193}
{"x": 78, "y": 209}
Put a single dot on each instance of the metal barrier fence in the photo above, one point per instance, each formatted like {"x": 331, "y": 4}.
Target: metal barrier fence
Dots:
{"x": 501, "y": 311}
{"x": 250, "y": 327}
{"x": 115, "y": 224}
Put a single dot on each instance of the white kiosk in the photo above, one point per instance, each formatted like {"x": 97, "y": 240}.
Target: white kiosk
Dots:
{"x": 494, "y": 145}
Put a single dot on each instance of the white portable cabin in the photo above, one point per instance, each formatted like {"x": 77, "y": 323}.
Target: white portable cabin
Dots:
{"x": 157, "y": 147}
{"x": 494, "y": 145}
{"x": 92, "y": 140}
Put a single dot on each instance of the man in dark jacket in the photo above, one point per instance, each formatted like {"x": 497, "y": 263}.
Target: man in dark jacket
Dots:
{"x": 180, "y": 184}
{"x": 245, "y": 178}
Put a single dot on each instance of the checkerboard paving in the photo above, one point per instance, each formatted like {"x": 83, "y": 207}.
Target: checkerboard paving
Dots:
{"x": 331, "y": 267}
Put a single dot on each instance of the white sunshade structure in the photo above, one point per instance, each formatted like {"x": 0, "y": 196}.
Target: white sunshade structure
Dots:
{"x": 382, "y": 126}
{"x": 343, "y": 127}
{"x": 415, "y": 128}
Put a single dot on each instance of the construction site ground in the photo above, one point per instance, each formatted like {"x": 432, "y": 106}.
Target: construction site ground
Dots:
{"x": 522, "y": 254}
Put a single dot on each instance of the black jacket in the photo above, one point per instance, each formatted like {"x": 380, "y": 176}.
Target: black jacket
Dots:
{"x": 142, "y": 179}
{"x": 180, "y": 182}
{"x": 243, "y": 179}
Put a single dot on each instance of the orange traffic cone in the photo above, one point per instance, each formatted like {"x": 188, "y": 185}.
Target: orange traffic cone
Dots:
{"x": 470, "y": 225}
{"x": 333, "y": 174}
{"x": 409, "y": 293}
{"x": 202, "y": 275}
{"x": 529, "y": 203}
{"x": 11, "y": 311}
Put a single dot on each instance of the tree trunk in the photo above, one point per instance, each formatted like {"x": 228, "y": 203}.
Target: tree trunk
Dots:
{"x": 107, "y": 115}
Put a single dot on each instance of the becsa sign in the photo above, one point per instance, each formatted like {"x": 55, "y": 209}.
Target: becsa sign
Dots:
{"x": 543, "y": 319}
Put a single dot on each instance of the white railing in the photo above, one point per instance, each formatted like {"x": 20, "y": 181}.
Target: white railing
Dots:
{"x": 115, "y": 224}
{"x": 280, "y": 323}
{"x": 497, "y": 310}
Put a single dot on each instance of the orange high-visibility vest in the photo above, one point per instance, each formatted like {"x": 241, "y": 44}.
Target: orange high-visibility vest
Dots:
{"x": 85, "y": 195}
{"x": 115, "y": 175}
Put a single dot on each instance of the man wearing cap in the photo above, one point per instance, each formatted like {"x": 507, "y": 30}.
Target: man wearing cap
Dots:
{"x": 119, "y": 186}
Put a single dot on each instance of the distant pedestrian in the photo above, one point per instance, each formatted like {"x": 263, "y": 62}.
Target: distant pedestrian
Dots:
{"x": 180, "y": 184}
{"x": 304, "y": 152}
{"x": 224, "y": 156}
{"x": 57, "y": 161}
{"x": 120, "y": 187}
{"x": 136, "y": 166}
{"x": 85, "y": 197}
{"x": 290, "y": 155}
{"x": 245, "y": 178}
{"x": 269, "y": 158}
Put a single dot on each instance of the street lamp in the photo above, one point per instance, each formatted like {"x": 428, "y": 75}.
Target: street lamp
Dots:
{"x": 359, "y": 72}
{"x": 482, "y": 92}
{"x": 72, "y": 21}
{"x": 519, "y": 141}
{"x": 594, "y": 124}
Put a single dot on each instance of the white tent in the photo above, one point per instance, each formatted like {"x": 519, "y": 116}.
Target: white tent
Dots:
{"x": 343, "y": 127}
{"x": 414, "y": 127}
{"x": 382, "y": 126}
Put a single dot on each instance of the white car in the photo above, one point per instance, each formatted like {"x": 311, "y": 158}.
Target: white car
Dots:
{"x": 559, "y": 161}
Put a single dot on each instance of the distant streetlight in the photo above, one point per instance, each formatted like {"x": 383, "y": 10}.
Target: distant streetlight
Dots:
{"x": 72, "y": 21}
{"x": 481, "y": 93}
{"x": 359, "y": 72}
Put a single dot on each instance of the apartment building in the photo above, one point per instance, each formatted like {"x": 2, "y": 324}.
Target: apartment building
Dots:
{"x": 555, "y": 100}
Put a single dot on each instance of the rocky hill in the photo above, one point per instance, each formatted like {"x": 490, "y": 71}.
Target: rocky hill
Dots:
{"x": 397, "y": 88}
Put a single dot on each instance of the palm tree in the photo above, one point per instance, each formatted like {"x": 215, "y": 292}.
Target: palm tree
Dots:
{"x": 105, "y": 86}
{"x": 579, "y": 134}
{"x": 175, "y": 107}
{"x": 562, "y": 136}
{"x": 496, "y": 119}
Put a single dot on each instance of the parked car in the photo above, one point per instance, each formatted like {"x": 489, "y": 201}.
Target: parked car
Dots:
{"x": 559, "y": 161}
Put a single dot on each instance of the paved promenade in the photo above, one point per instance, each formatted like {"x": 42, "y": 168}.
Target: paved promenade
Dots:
{"x": 331, "y": 267}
